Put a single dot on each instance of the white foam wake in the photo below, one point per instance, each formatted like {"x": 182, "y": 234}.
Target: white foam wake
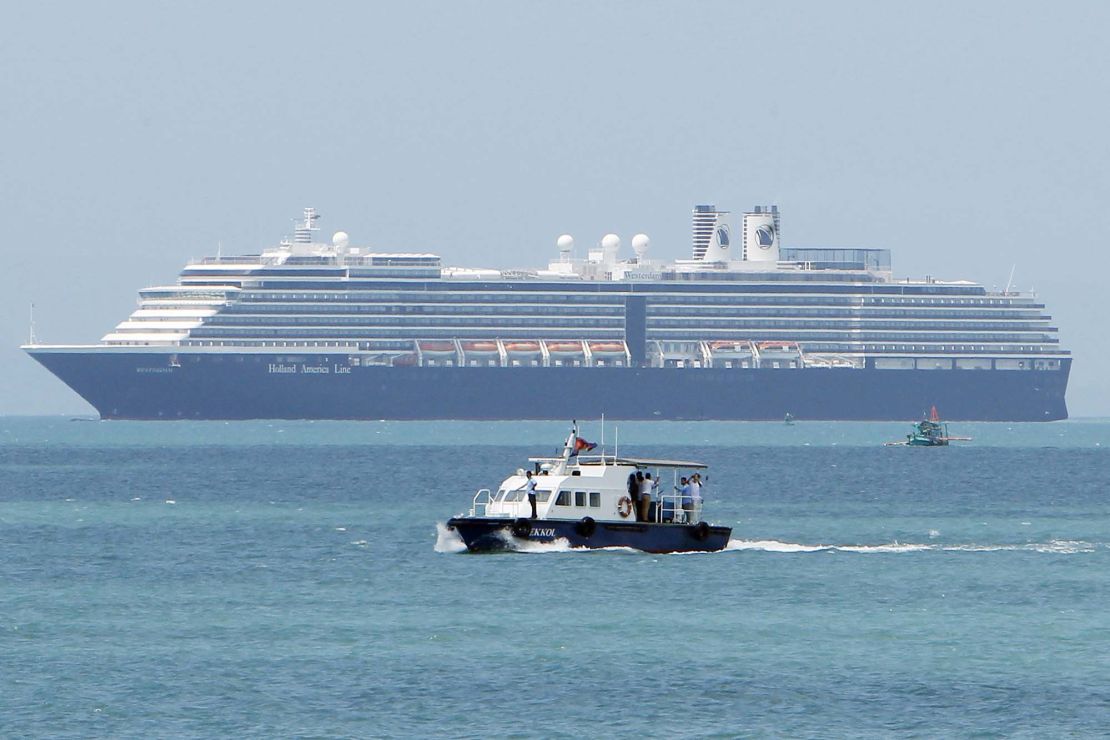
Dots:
{"x": 448, "y": 540}
{"x": 1062, "y": 547}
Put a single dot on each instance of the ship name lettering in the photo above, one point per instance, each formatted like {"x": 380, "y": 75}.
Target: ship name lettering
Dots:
{"x": 281, "y": 369}
{"x": 547, "y": 532}
{"x": 342, "y": 369}
{"x": 315, "y": 369}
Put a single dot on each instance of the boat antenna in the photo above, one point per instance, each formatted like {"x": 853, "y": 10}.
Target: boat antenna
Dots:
{"x": 1011, "y": 280}
{"x": 616, "y": 443}
{"x": 603, "y": 440}
{"x": 31, "y": 338}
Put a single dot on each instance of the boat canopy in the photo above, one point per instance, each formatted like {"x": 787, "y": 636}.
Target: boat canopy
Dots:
{"x": 640, "y": 462}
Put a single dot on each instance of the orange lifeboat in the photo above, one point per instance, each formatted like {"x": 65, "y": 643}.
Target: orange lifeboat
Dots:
{"x": 607, "y": 348}
{"x": 725, "y": 346}
{"x": 565, "y": 347}
{"x": 480, "y": 347}
{"x": 522, "y": 347}
{"x": 437, "y": 348}
{"x": 778, "y": 345}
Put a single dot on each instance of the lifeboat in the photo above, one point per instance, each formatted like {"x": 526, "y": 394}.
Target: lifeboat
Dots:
{"x": 406, "y": 360}
{"x": 781, "y": 346}
{"x": 725, "y": 346}
{"x": 607, "y": 348}
{"x": 480, "y": 348}
{"x": 523, "y": 348}
{"x": 565, "y": 348}
{"x": 437, "y": 348}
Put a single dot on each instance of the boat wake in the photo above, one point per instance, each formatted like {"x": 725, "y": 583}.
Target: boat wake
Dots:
{"x": 1060, "y": 547}
{"x": 448, "y": 541}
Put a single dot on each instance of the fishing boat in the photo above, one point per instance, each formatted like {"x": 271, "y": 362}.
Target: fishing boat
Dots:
{"x": 931, "y": 432}
{"x": 585, "y": 500}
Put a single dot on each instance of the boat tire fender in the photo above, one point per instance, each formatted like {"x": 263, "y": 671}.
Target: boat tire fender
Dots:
{"x": 522, "y": 527}
{"x": 587, "y": 526}
{"x": 700, "y": 531}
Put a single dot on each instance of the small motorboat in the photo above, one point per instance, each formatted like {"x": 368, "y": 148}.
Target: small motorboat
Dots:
{"x": 585, "y": 500}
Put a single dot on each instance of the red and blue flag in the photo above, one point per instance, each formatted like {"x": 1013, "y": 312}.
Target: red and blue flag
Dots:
{"x": 582, "y": 444}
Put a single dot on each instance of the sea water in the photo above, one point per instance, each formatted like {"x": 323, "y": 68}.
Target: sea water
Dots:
{"x": 268, "y": 579}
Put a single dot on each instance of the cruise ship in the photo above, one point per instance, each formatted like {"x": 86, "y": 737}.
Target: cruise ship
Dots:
{"x": 746, "y": 328}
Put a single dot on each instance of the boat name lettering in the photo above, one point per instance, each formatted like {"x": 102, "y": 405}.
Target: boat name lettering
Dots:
{"x": 154, "y": 369}
{"x": 279, "y": 369}
{"x": 545, "y": 532}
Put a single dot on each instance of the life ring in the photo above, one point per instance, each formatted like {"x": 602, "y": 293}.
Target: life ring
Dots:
{"x": 700, "y": 531}
{"x": 586, "y": 527}
{"x": 522, "y": 528}
{"x": 624, "y": 507}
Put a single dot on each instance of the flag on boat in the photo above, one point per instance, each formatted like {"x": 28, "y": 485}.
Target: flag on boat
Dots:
{"x": 582, "y": 444}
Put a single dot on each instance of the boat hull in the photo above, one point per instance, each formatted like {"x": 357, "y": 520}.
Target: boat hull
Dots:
{"x": 141, "y": 384}
{"x": 482, "y": 534}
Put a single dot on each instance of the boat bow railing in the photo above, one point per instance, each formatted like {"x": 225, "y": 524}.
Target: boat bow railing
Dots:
{"x": 482, "y": 498}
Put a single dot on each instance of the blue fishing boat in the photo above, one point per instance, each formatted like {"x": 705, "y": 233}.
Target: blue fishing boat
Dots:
{"x": 930, "y": 432}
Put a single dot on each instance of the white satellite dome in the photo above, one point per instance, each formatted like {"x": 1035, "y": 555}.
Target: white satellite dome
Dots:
{"x": 640, "y": 244}
{"x": 340, "y": 239}
{"x": 565, "y": 243}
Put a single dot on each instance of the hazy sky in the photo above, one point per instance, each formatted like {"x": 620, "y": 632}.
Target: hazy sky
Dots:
{"x": 967, "y": 137}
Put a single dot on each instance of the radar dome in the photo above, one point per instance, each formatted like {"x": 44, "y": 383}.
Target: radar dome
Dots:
{"x": 340, "y": 239}
{"x": 610, "y": 242}
{"x": 565, "y": 243}
{"x": 640, "y": 244}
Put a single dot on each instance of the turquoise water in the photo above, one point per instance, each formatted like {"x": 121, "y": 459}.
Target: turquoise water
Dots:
{"x": 289, "y": 578}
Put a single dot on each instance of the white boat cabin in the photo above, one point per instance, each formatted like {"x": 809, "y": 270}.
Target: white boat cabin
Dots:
{"x": 575, "y": 486}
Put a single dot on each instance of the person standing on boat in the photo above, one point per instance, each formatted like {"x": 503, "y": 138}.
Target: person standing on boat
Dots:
{"x": 530, "y": 486}
{"x": 647, "y": 485}
{"x": 634, "y": 490}
{"x": 695, "y": 493}
{"x": 687, "y": 498}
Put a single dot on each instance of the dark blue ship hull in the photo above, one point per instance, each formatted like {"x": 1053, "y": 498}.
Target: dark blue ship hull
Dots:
{"x": 224, "y": 385}
{"x": 489, "y": 535}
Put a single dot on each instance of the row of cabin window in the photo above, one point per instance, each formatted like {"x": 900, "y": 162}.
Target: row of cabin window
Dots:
{"x": 562, "y": 500}
{"x": 579, "y": 499}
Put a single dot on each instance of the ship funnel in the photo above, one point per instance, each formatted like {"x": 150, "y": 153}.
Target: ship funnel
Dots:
{"x": 761, "y": 235}
{"x": 712, "y": 237}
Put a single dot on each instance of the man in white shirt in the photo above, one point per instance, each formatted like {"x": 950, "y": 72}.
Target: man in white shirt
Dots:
{"x": 695, "y": 492}
{"x": 646, "y": 487}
